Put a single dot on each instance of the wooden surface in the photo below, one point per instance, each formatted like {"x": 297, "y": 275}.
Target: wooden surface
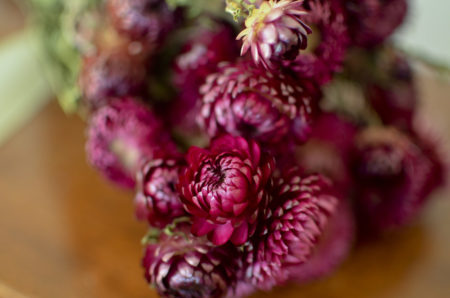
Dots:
{"x": 65, "y": 232}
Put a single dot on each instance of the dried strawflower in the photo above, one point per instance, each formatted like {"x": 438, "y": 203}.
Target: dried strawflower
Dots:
{"x": 157, "y": 200}
{"x": 121, "y": 136}
{"x": 395, "y": 175}
{"x": 224, "y": 187}
{"x": 183, "y": 265}
{"x": 244, "y": 100}
{"x": 275, "y": 31}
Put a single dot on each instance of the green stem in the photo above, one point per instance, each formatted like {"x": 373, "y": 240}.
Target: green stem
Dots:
{"x": 240, "y": 8}
{"x": 170, "y": 229}
{"x": 152, "y": 236}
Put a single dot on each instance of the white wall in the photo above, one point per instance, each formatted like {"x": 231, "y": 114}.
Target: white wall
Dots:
{"x": 427, "y": 30}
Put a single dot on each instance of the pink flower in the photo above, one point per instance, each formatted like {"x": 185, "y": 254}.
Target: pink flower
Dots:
{"x": 157, "y": 200}
{"x": 122, "y": 135}
{"x": 371, "y": 22}
{"x": 244, "y": 100}
{"x": 395, "y": 175}
{"x": 142, "y": 20}
{"x": 225, "y": 187}
{"x": 275, "y": 31}
{"x": 289, "y": 233}
{"x": 333, "y": 248}
{"x": 186, "y": 266}
{"x": 112, "y": 74}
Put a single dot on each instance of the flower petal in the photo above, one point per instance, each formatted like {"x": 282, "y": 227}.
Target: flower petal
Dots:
{"x": 240, "y": 234}
{"x": 222, "y": 233}
{"x": 201, "y": 227}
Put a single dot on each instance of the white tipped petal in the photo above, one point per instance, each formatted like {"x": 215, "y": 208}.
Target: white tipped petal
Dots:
{"x": 269, "y": 34}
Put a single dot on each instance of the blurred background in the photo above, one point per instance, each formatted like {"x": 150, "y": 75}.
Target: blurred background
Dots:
{"x": 23, "y": 86}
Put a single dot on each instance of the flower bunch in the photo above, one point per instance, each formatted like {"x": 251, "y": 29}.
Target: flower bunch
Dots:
{"x": 251, "y": 169}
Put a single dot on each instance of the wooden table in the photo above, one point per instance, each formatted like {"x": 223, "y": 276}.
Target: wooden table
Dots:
{"x": 65, "y": 232}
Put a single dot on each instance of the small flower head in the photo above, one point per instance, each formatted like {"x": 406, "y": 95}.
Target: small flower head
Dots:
{"x": 122, "y": 135}
{"x": 144, "y": 20}
{"x": 371, "y": 22}
{"x": 395, "y": 174}
{"x": 183, "y": 265}
{"x": 157, "y": 200}
{"x": 224, "y": 188}
{"x": 333, "y": 247}
{"x": 249, "y": 101}
{"x": 112, "y": 74}
{"x": 275, "y": 32}
{"x": 289, "y": 233}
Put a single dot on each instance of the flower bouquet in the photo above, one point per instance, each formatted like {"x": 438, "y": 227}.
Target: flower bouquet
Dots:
{"x": 262, "y": 138}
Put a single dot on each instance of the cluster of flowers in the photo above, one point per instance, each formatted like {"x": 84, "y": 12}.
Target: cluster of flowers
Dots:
{"x": 247, "y": 176}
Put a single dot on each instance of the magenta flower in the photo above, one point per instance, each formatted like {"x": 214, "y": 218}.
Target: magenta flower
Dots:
{"x": 112, "y": 74}
{"x": 186, "y": 266}
{"x": 225, "y": 187}
{"x": 248, "y": 101}
{"x": 299, "y": 214}
{"x": 142, "y": 20}
{"x": 333, "y": 248}
{"x": 121, "y": 136}
{"x": 371, "y": 22}
{"x": 395, "y": 175}
{"x": 200, "y": 56}
{"x": 327, "y": 45}
{"x": 157, "y": 199}
{"x": 275, "y": 31}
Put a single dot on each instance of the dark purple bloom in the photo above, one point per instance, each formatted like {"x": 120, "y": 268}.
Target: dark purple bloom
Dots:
{"x": 289, "y": 233}
{"x": 327, "y": 45}
{"x": 143, "y": 20}
{"x": 395, "y": 175}
{"x": 157, "y": 200}
{"x": 241, "y": 99}
{"x": 112, "y": 74}
{"x": 186, "y": 266}
{"x": 371, "y": 22}
{"x": 122, "y": 135}
{"x": 333, "y": 247}
{"x": 224, "y": 188}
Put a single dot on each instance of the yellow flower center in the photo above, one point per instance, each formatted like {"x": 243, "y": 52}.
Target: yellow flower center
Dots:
{"x": 256, "y": 18}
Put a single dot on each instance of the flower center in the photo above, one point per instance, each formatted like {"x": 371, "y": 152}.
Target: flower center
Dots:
{"x": 213, "y": 176}
{"x": 218, "y": 176}
{"x": 256, "y": 18}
